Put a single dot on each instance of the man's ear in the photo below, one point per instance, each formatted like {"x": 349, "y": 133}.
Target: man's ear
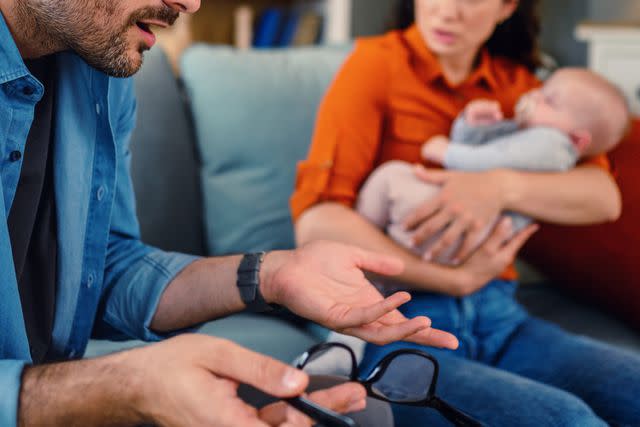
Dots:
{"x": 581, "y": 139}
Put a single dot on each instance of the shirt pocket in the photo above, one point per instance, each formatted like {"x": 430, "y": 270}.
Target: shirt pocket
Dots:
{"x": 410, "y": 128}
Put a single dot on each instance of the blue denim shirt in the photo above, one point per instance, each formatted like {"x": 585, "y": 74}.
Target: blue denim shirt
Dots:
{"x": 109, "y": 283}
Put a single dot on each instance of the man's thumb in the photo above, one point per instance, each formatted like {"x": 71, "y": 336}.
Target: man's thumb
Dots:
{"x": 264, "y": 373}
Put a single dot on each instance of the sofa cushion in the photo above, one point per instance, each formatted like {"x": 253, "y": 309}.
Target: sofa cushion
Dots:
{"x": 599, "y": 263}
{"x": 164, "y": 165}
{"x": 254, "y": 114}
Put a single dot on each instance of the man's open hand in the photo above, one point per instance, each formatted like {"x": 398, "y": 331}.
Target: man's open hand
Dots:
{"x": 325, "y": 282}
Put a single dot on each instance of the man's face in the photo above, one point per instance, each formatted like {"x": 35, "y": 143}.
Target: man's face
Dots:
{"x": 110, "y": 35}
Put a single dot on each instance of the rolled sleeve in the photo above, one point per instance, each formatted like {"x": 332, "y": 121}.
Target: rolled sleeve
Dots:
{"x": 135, "y": 274}
{"x": 134, "y": 298}
{"x": 10, "y": 383}
{"x": 348, "y": 132}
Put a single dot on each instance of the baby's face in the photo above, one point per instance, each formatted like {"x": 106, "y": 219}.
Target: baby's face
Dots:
{"x": 553, "y": 105}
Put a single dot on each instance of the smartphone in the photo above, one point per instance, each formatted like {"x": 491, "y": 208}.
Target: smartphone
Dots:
{"x": 323, "y": 416}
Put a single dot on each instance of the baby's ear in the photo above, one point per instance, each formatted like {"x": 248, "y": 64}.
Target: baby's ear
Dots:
{"x": 581, "y": 139}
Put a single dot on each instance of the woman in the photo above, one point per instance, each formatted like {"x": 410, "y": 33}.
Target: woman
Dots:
{"x": 394, "y": 93}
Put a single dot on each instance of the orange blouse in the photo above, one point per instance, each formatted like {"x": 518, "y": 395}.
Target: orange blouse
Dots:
{"x": 388, "y": 99}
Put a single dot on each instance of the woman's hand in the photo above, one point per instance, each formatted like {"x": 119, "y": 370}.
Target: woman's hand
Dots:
{"x": 492, "y": 257}
{"x": 467, "y": 204}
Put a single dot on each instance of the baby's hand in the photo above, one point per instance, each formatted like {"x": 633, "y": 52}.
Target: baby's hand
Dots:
{"x": 483, "y": 112}
{"x": 435, "y": 149}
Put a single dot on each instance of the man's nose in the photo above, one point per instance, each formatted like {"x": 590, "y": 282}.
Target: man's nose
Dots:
{"x": 183, "y": 6}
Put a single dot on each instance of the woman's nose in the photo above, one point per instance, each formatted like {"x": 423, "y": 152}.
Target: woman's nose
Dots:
{"x": 447, "y": 9}
{"x": 183, "y": 6}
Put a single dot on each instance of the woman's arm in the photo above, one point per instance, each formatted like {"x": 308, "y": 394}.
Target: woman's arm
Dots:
{"x": 469, "y": 201}
{"x": 337, "y": 222}
{"x": 582, "y": 196}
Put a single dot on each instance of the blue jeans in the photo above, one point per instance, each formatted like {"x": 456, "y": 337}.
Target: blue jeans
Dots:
{"x": 515, "y": 370}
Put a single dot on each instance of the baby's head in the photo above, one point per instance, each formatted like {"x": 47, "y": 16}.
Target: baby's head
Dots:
{"x": 585, "y": 106}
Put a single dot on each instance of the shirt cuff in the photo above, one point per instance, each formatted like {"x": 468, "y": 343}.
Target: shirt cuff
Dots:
{"x": 10, "y": 384}
{"x": 135, "y": 298}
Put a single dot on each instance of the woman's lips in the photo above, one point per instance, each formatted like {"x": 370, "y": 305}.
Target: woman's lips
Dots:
{"x": 445, "y": 37}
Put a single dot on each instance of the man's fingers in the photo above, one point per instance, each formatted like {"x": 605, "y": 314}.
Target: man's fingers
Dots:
{"x": 343, "y": 398}
{"x": 350, "y": 317}
{"x": 281, "y": 414}
{"x": 380, "y": 334}
{"x": 348, "y": 397}
{"x": 434, "y": 338}
{"x": 384, "y": 265}
{"x": 231, "y": 361}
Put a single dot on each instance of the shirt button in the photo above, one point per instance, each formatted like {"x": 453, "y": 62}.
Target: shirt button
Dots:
{"x": 101, "y": 192}
{"x": 90, "y": 280}
{"x": 14, "y": 156}
{"x": 28, "y": 90}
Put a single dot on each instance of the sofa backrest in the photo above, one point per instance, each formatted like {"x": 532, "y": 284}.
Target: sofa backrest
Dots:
{"x": 164, "y": 164}
{"x": 254, "y": 113}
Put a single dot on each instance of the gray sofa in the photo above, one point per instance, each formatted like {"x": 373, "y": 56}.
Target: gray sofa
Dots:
{"x": 166, "y": 172}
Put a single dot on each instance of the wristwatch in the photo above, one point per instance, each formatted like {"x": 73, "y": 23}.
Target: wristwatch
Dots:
{"x": 249, "y": 283}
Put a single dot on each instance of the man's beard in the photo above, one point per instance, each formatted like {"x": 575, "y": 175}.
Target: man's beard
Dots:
{"x": 89, "y": 28}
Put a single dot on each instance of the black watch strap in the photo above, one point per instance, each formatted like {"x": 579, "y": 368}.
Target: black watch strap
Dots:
{"x": 249, "y": 283}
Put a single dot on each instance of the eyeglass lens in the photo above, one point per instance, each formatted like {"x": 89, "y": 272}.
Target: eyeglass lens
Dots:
{"x": 330, "y": 361}
{"x": 407, "y": 379}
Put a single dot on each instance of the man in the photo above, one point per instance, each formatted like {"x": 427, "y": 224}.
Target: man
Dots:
{"x": 72, "y": 264}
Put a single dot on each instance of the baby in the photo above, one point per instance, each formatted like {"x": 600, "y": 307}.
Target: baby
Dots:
{"x": 575, "y": 115}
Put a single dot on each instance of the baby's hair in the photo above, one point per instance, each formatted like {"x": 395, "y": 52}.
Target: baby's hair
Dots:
{"x": 609, "y": 116}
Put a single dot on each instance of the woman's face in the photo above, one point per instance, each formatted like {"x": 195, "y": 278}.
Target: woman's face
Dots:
{"x": 460, "y": 27}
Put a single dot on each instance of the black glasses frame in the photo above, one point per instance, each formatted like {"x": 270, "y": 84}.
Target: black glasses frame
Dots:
{"x": 455, "y": 416}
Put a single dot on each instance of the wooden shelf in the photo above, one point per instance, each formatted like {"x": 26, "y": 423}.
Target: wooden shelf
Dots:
{"x": 213, "y": 23}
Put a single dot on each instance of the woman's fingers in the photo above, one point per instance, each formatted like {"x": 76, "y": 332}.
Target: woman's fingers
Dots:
{"x": 431, "y": 227}
{"x": 470, "y": 243}
{"x": 500, "y": 234}
{"x": 518, "y": 241}
{"x": 422, "y": 213}
{"x": 449, "y": 238}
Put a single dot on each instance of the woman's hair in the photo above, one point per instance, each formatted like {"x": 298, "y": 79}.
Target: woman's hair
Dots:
{"x": 516, "y": 38}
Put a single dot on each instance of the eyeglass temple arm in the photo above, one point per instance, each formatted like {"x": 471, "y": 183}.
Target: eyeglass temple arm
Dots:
{"x": 456, "y": 416}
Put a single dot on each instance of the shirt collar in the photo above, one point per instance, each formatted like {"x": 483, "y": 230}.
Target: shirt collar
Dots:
{"x": 11, "y": 64}
{"x": 429, "y": 67}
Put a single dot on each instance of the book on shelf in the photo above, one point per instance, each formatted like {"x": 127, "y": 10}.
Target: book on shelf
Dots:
{"x": 277, "y": 26}
{"x": 268, "y": 28}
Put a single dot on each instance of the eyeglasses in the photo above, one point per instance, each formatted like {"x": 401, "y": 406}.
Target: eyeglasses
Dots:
{"x": 406, "y": 377}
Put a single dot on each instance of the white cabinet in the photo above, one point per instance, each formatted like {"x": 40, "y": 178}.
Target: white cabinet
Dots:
{"x": 614, "y": 51}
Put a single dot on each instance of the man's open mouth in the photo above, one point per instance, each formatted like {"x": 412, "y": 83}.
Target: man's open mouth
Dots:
{"x": 144, "y": 27}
